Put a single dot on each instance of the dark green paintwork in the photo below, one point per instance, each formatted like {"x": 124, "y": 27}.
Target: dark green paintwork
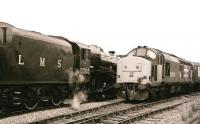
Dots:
{"x": 31, "y": 49}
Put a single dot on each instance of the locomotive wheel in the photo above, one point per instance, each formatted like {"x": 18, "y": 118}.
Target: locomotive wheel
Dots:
{"x": 56, "y": 99}
{"x": 129, "y": 93}
{"x": 30, "y": 101}
{"x": 153, "y": 94}
{"x": 100, "y": 96}
{"x": 162, "y": 93}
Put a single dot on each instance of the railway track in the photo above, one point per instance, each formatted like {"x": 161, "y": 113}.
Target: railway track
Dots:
{"x": 84, "y": 111}
{"x": 42, "y": 115}
{"x": 19, "y": 110}
{"x": 120, "y": 112}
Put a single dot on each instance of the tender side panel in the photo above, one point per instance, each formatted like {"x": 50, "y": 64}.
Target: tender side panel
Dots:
{"x": 28, "y": 59}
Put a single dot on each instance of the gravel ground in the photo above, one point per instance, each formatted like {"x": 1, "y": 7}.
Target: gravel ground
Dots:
{"x": 40, "y": 115}
{"x": 188, "y": 113}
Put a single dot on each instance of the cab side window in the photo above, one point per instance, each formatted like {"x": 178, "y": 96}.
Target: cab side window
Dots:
{"x": 84, "y": 54}
{"x": 181, "y": 69}
{"x": 154, "y": 73}
{"x": 3, "y": 35}
{"x": 167, "y": 69}
{"x": 160, "y": 59}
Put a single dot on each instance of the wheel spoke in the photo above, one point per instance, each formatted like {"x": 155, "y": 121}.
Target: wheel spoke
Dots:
{"x": 30, "y": 100}
{"x": 56, "y": 99}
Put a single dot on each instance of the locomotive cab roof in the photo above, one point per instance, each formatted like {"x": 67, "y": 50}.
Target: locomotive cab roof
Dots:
{"x": 82, "y": 46}
{"x": 168, "y": 57}
{"x": 145, "y": 52}
{"x": 96, "y": 49}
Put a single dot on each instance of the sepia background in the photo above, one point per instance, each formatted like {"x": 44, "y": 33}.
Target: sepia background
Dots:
{"x": 120, "y": 25}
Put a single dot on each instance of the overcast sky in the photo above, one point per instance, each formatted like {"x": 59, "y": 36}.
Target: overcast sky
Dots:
{"x": 172, "y": 25}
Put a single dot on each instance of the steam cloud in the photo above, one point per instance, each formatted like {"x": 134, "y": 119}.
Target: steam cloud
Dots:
{"x": 76, "y": 76}
{"x": 78, "y": 99}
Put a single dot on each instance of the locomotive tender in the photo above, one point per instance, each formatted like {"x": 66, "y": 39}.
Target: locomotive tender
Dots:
{"x": 36, "y": 67}
{"x": 150, "y": 73}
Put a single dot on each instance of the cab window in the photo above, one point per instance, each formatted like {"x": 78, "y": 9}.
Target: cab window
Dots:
{"x": 6, "y": 35}
{"x": 141, "y": 52}
{"x": 3, "y": 35}
{"x": 167, "y": 69}
{"x": 132, "y": 53}
{"x": 160, "y": 59}
{"x": 151, "y": 54}
{"x": 84, "y": 54}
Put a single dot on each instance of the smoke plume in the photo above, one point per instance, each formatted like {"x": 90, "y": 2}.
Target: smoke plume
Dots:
{"x": 79, "y": 98}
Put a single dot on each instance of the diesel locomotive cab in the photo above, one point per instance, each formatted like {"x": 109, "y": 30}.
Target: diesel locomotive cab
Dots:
{"x": 136, "y": 71}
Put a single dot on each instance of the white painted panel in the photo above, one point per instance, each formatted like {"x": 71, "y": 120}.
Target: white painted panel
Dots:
{"x": 198, "y": 71}
{"x": 159, "y": 73}
{"x": 172, "y": 74}
{"x": 130, "y": 69}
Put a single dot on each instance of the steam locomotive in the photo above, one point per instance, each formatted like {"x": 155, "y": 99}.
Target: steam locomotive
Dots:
{"x": 148, "y": 73}
{"x": 36, "y": 67}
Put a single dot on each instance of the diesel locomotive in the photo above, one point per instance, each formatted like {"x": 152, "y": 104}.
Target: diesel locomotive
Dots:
{"x": 146, "y": 73}
{"x": 35, "y": 67}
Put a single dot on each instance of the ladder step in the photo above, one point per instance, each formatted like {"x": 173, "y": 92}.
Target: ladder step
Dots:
{"x": 17, "y": 103}
{"x": 16, "y": 92}
{"x": 44, "y": 100}
{"x": 16, "y": 98}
